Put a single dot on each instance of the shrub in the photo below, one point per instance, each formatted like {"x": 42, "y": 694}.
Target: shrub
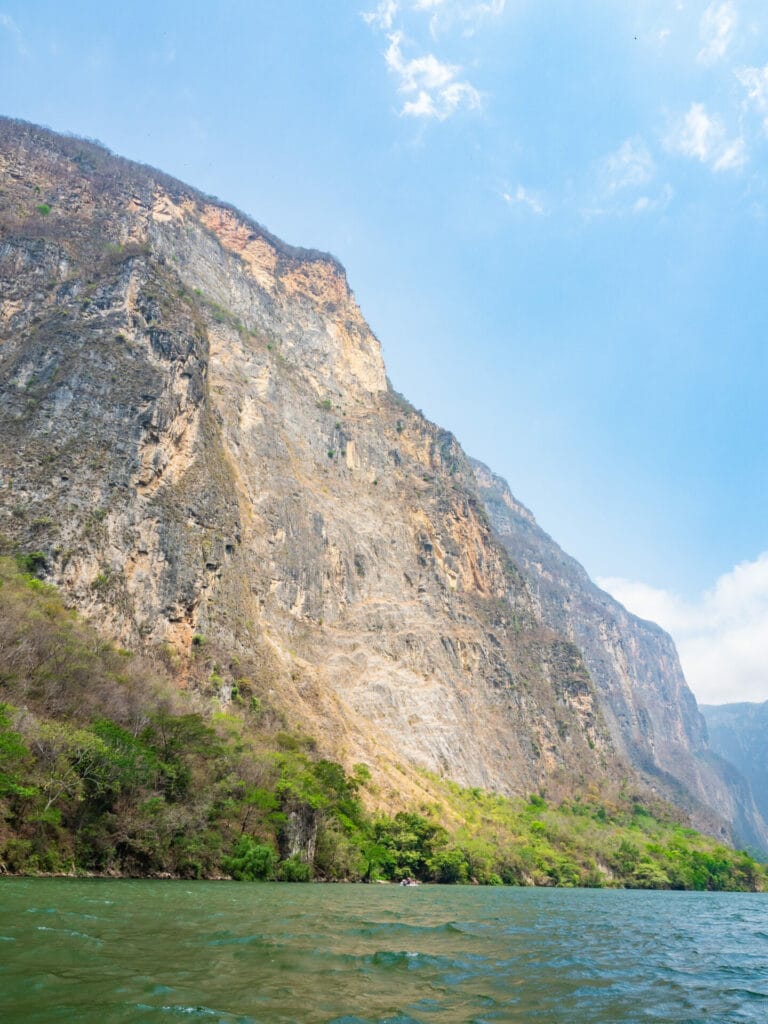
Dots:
{"x": 33, "y": 562}
{"x": 294, "y": 870}
{"x": 449, "y": 867}
{"x": 14, "y": 757}
{"x": 251, "y": 861}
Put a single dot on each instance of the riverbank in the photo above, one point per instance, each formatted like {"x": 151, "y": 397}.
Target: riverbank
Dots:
{"x": 109, "y": 770}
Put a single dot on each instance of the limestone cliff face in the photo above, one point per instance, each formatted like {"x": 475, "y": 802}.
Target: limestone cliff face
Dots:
{"x": 739, "y": 734}
{"x": 650, "y": 712}
{"x": 197, "y": 430}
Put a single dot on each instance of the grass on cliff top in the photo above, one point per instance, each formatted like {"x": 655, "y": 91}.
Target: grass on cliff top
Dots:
{"x": 107, "y": 767}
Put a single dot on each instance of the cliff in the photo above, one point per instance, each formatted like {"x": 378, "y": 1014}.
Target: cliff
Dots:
{"x": 650, "y": 713}
{"x": 198, "y": 433}
{"x": 198, "y": 438}
{"x": 737, "y": 732}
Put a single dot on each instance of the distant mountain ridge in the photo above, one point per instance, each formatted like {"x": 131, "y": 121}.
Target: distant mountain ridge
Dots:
{"x": 651, "y": 713}
{"x": 739, "y": 733}
{"x": 198, "y": 437}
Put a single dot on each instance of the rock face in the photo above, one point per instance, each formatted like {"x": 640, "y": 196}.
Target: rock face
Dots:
{"x": 739, "y": 733}
{"x": 197, "y": 432}
{"x": 651, "y": 714}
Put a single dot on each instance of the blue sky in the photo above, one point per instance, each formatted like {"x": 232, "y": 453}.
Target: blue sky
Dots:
{"x": 553, "y": 215}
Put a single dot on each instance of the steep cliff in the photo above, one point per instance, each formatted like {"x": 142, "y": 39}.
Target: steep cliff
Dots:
{"x": 198, "y": 438}
{"x": 198, "y": 434}
{"x": 739, "y": 733}
{"x": 651, "y": 714}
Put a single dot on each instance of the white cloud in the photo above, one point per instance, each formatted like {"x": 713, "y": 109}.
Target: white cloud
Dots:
{"x": 466, "y": 14}
{"x": 432, "y": 86}
{"x": 10, "y": 26}
{"x": 625, "y": 181}
{"x": 491, "y": 9}
{"x": 652, "y": 203}
{"x": 732, "y": 156}
{"x": 703, "y": 137}
{"x": 522, "y": 196}
{"x": 631, "y": 166}
{"x": 755, "y": 82}
{"x": 465, "y": 9}
{"x": 700, "y": 134}
{"x": 383, "y": 16}
{"x": 722, "y": 636}
{"x": 716, "y": 29}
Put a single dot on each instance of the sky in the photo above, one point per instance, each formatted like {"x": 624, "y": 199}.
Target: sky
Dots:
{"x": 553, "y": 215}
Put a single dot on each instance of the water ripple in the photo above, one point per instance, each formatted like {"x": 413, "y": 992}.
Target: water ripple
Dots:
{"x": 269, "y": 954}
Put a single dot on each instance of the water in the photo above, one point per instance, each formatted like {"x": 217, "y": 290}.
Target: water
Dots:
{"x": 158, "y": 952}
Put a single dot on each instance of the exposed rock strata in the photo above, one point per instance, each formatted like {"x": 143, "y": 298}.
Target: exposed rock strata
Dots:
{"x": 197, "y": 430}
{"x": 650, "y": 712}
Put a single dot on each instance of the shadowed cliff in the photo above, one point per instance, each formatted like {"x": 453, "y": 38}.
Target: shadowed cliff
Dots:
{"x": 737, "y": 732}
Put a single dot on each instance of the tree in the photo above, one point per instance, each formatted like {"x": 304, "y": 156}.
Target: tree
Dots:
{"x": 251, "y": 861}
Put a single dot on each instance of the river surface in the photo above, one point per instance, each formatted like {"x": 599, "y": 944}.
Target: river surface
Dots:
{"x": 105, "y": 952}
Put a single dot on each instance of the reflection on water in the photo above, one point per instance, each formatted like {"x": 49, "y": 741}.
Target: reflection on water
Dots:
{"x": 142, "y": 951}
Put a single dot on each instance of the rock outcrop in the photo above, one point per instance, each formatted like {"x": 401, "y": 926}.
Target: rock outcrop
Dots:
{"x": 650, "y": 712}
{"x": 198, "y": 437}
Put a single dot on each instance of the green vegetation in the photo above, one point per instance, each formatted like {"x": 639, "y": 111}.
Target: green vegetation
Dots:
{"x": 105, "y": 768}
{"x": 592, "y": 844}
{"x": 43, "y": 209}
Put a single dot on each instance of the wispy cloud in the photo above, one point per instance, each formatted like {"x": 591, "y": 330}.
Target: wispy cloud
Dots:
{"x": 755, "y": 82}
{"x": 9, "y": 25}
{"x": 703, "y": 137}
{"x": 626, "y": 181}
{"x": 722, "y": 636}
{"x": 654, "y": 203}
{"x": 382, "y": 16}
{"x": 470, "y": 14}
{"x": 524, "y": 197}
{"x": 716, "y": 29}
{"x": 469, "y": 10}
{"x": 432, "y": 87}
{"x": 630, "y": 167}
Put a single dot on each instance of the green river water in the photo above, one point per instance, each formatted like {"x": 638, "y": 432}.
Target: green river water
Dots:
{"x": 150, "y": 951}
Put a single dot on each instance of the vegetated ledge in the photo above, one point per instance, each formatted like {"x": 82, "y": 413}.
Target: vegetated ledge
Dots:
{"x": 107, "y": 768}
